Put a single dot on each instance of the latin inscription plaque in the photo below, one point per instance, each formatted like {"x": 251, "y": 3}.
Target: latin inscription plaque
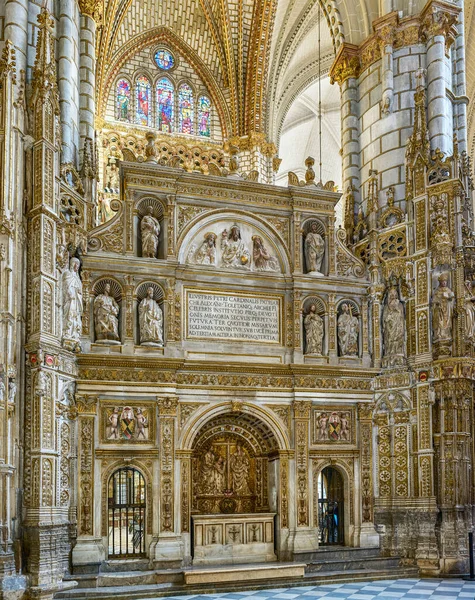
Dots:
{"x": 217, "y": 316}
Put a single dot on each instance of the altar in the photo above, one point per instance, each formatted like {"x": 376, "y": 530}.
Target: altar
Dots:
{"x": 233, "y": 539}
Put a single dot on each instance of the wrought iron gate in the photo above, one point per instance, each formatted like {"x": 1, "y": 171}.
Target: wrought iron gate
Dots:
{"x": 330, "y": 507}
{"x": 126, "y": 502}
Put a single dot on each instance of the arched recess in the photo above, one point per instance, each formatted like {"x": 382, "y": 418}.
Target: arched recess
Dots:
{"x": 107, "y": 472}
{"x": 166, "y": 36}
{"x": 265, "y": 446}
{"x": 192, "y": 235}
{"x": 348, "y": 475}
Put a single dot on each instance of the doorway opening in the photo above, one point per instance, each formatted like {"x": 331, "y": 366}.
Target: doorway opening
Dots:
{"x": 126, "y": 514}
{"x": 330, "y": 507}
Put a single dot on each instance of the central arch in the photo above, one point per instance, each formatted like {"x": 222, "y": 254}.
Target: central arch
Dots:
{"x": 235, "y": 450}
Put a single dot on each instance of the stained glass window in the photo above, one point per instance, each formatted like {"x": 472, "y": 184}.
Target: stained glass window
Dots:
{"x": 164, "y": 60}
{"x": 123, "y": 100}
{"x": 186, "y": 112}
{"x": 143, "y": 111}
{"x": 165, "y": 101}
{"x": 204, "y": 116}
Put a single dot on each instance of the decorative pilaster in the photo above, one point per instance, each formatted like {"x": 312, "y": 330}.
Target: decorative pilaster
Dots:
{"x": 368, "y": 535}
{"x": 169, "y": 547}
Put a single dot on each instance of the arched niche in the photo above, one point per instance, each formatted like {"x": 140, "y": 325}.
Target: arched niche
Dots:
{"x": 233, "y": 241}
{"x": 141, "y": 292}
{"x": 108, "y": 334}
{"x": 314, "y": 234}
{"x": 311, "y": 327}
{"x": 348, "y": 328}
{"x": 154, "y": 207}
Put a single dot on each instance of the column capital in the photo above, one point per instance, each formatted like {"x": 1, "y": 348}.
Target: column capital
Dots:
{"x": 91, "y": 8}
{"x": 347, "y": 64}
{"x": 439, "y": 18}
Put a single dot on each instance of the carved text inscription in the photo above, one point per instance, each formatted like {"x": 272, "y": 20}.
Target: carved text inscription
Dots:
{"x": 233, "y": 317}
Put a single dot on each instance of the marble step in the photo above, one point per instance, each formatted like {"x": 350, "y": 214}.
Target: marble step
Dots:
{"x": 126, "y": 564}
{"x": 332, "y": 553}
{"x": 245, "y": 573}
{"x": 377, "y": 563}
{"x": 141, "y": 592}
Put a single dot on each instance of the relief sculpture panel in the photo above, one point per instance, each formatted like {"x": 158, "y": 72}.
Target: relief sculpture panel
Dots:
{"x": 333, "y": 426}
{"x": 127, "y": 424}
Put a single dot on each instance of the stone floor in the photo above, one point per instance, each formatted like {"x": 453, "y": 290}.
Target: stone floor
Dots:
{"x": 390, "y": 589}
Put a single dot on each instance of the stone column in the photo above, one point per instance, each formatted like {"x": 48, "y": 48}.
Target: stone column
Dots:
{"x": 87, "y": 71}
{"x": 45, "y": 528}
{"x": 185, "y": 502}
{"x": 16, "y": 30}
{"x": 345, "y": 70}
{"x": 169, "y": 548}
{"x": 438, "y": 20}
{"x": 68, "y": 77}
{"x": 306, "y": 538}
{"x": 459, "y": 81}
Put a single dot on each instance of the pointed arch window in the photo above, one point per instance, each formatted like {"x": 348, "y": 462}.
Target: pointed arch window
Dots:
{"x": 143, "y": 108}
{"x": 165, "y": 105}
{"x": 204, "y": 116}
{"x": 123, "y": 100}
{"x": 186, "y": 109}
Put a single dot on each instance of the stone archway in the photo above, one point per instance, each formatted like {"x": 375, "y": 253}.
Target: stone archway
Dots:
{"x": 235, "y": 488}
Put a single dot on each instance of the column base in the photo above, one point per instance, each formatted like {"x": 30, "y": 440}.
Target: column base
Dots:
{"x": 369, "y": 537}
{"x": 305, "y": 540}
{"x": 167, "y": 552}
{"x": 88, "y": 555}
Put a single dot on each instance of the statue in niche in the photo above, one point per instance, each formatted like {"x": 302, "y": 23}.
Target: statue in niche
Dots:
{"x": 239, "y": 466}
{"x": 206, "y": 253}
{"x": 442, "y": 310}
{"x": 263, "y": 261}
{"x": 394, "y": 327}
{"x": 150, "y": 230}
{"x": 2, "y": 391}
{"x": 314, "y": 250}
{"x": 233, "y": 250}
{"x": 106, "y": 311}
{"x": 112, "y": 175}
{"x": 469, "y": 311}
{"x": 150, "y": 321}
{"x": 12, "y": 391}
{"x": 348, "y": 327}
{"x": 313, "y": 323}
{"x": 72, "y": 305}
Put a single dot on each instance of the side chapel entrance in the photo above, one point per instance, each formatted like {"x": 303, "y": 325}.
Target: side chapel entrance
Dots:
{"x": 330, "y": 507}
{"x": 126, "y": 514}
{"x": 234, "y": 505}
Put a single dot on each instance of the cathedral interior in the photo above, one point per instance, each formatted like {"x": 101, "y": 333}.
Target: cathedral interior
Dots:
{"x": 237, "y": 293}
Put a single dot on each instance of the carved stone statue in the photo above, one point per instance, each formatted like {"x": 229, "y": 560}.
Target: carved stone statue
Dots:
{"x": 106, "y": 311}
{"x": 142, "y": 424}
{"x": 2, "y": 391}
{"x": 442, "y": 310}
{"x": 114, "y": 424}
{"x": 12, "y": 391}
{"x": 41, "y": 384}
{"x": 112, "y": 175}
{"x": 150, "y": 230}
{"x": 313, "y": 323}
{"x": 150, "y": 321}
{"x": 72, "y": 305}
{"x": 219, "y": 475}
{"x": 348, "y": 326}
{"x": 394, "y": 327}
{"x": 233, "y": 250}
{"x": 239, "y": 466}
{"x": 206, "y": 253}
{"x": 263, "y": 261}
{"x": 469, "y": 311}
{"x": 314, "y": 250}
